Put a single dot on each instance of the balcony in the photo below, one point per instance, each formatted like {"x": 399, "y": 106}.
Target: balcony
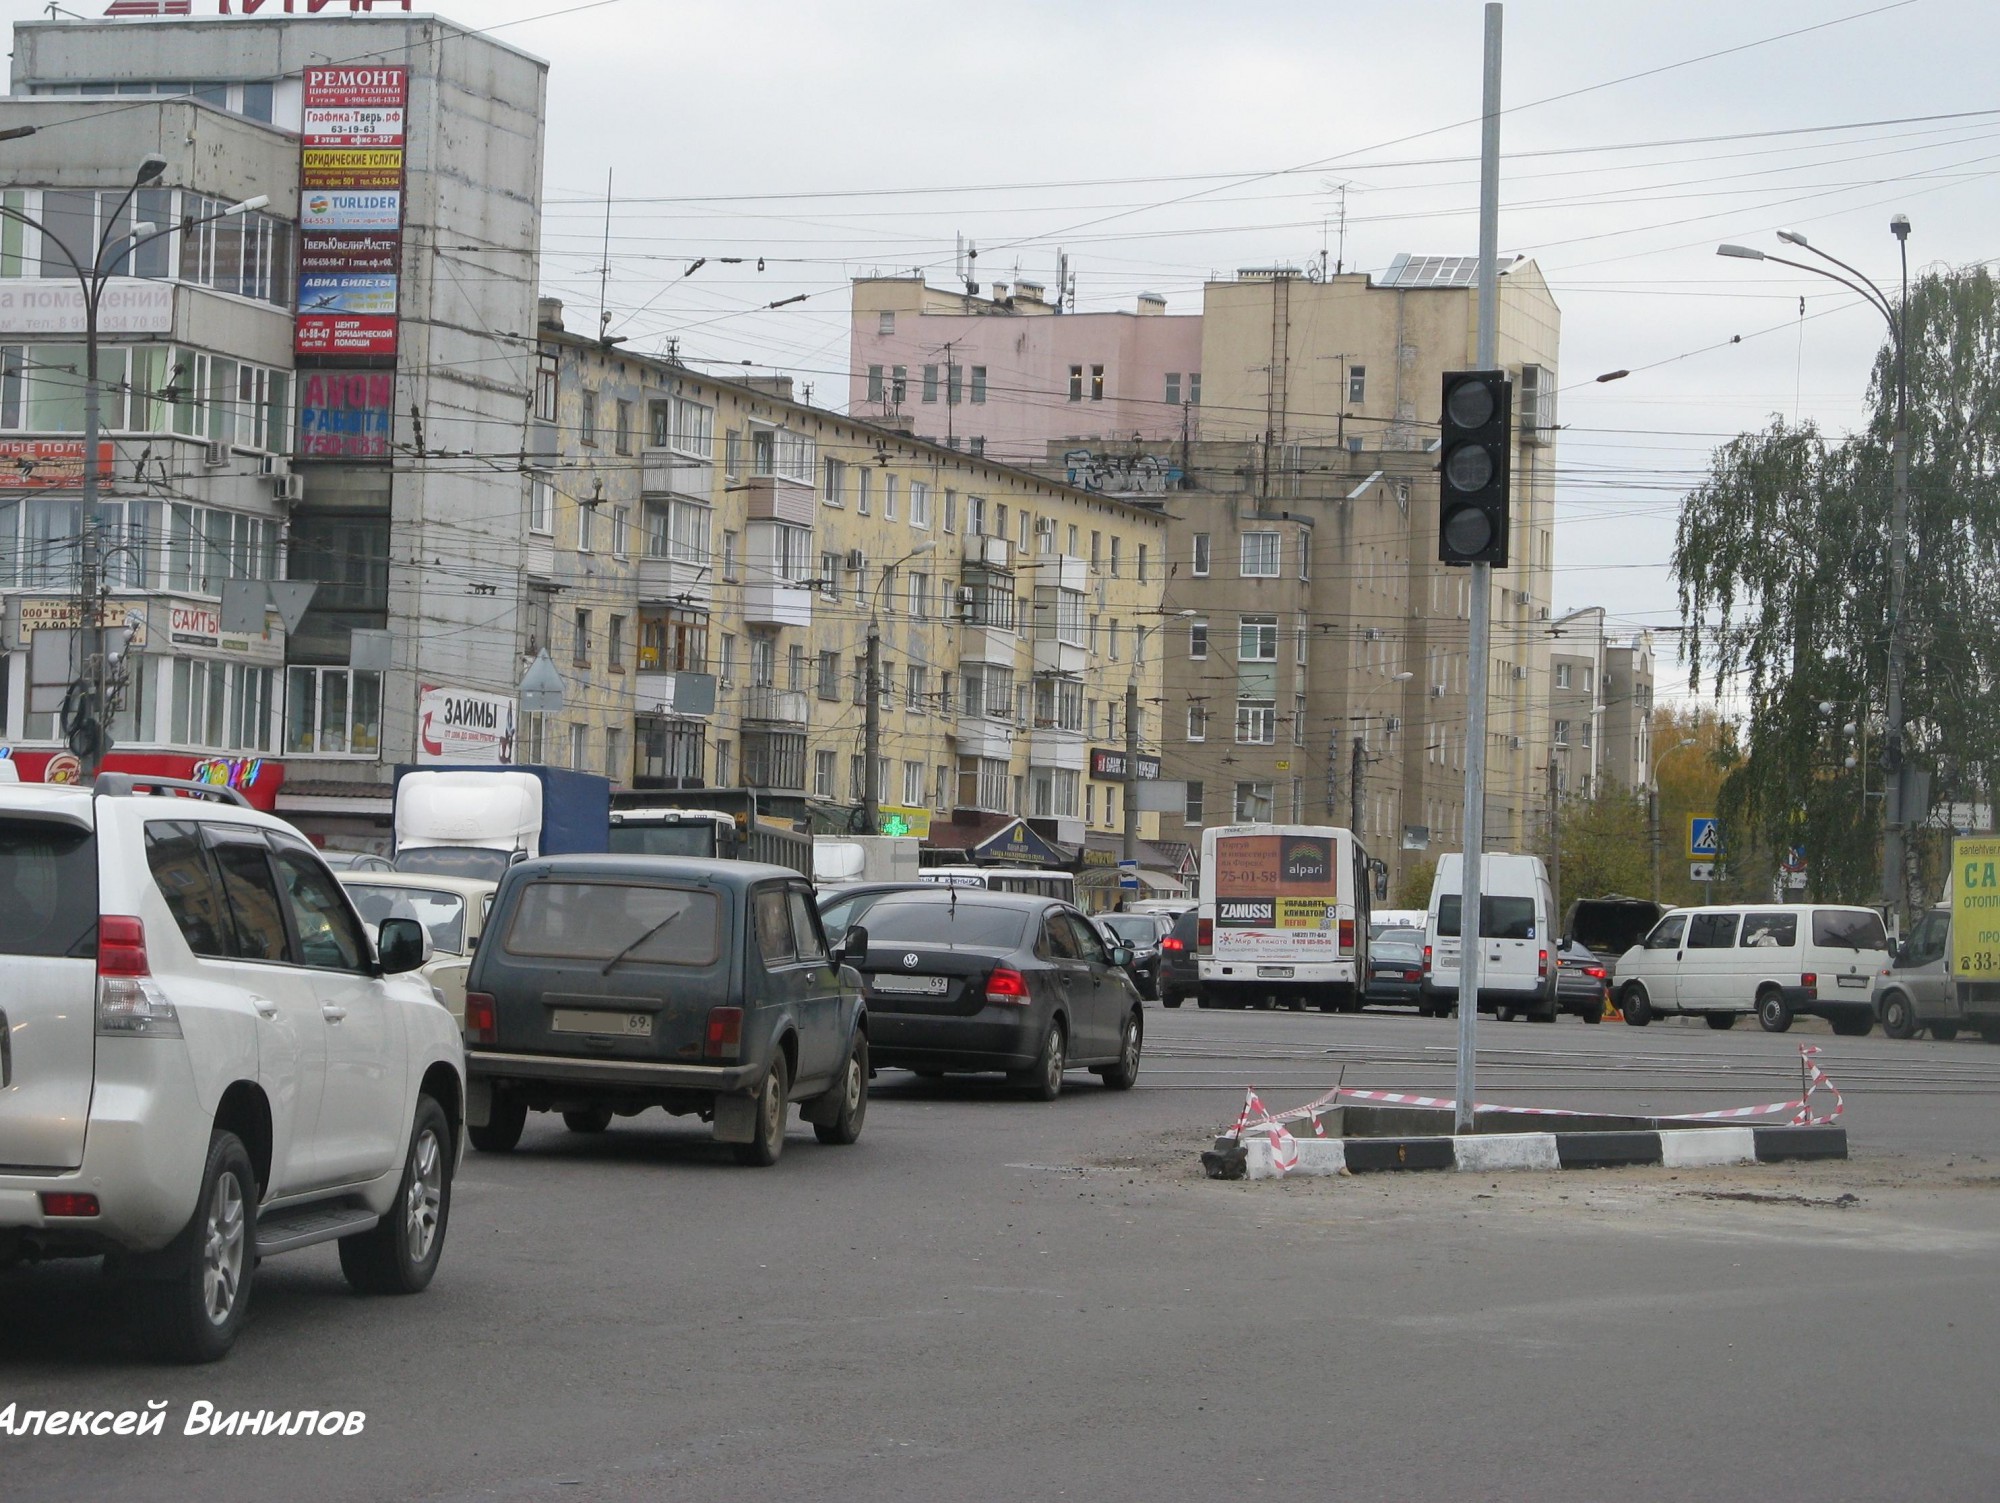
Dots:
{"x": 989, "y": 553}
{"x": 775, "y": 498}
{"x": 1055, "y": 656}
{"x": 1051, "y": 746}
{"x": 984, "y": 735}
{"x": 663, "y": 472}
{"x": 656, "y": 693}
{"x": 675, "y": 581}
{"x": 772, "y": 706}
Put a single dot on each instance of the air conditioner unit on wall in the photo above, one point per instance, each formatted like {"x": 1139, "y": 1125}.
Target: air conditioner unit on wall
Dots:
{"x": 215, "y": 455}
{"x": 856, "y": 560}
{"x": 288, "y": 487}
{"x": 1437, "y": 691}
{"x": 1520, "y": 673}
{"x": 274, "y": 465}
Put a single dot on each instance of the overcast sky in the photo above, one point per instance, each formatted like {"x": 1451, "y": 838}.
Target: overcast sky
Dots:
{"x": 1161, "y": 141}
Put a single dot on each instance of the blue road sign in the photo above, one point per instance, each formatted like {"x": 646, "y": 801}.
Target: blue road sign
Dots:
{"x": 1704, "y": 837}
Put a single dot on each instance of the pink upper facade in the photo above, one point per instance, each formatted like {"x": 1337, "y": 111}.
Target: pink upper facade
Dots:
{"x": 1025, "y": 374}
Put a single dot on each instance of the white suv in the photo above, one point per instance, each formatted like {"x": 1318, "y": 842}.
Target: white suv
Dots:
{"x": 205, "y": 1060}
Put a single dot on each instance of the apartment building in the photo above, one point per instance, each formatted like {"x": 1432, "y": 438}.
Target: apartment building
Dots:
{"x": 741, "y": 543}
{"x": 1600, "y": 705}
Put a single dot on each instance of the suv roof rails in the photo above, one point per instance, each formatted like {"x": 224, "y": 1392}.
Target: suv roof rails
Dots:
{"x": 124, "y": 784}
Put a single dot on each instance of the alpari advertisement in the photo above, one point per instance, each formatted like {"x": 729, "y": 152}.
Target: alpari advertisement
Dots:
{"x": 1276, "y": 887}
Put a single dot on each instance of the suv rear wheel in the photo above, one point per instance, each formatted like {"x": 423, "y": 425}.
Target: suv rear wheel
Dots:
{"x": 401, "y": 1254}
{"x": 196, "y": 1312}
{"x": 845, "y": 1128}
{"x": 768, "y": 1131}
{"x": 504, "y": 1120}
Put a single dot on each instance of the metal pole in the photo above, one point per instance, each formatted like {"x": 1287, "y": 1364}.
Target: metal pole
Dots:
{"x": 871, "y": 736}
{"x": 1354, "y": 785}
{"x": 1653, "y": 832}
{"x": 1555, "y": 840}
{"x": 1478, "y": 648}
{"x": 1132, "y": 756}
{"x": 1893, "y": 862}
{"x": 95, "y": 668}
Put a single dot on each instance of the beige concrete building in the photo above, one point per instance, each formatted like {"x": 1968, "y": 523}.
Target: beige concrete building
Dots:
{"x": 699, "y": 530}
{"x": 1600, "y": 706}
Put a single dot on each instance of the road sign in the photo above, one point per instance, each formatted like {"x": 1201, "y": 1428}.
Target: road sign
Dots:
{"x": 1128, "y": 876}
{"x": 1701, "y": 871}
{"x": 1704, "y": 837}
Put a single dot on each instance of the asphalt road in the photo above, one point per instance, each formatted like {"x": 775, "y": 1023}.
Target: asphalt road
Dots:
{"x": 988, "y": 1298}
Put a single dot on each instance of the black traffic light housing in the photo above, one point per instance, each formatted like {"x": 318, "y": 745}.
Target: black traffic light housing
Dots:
{"x": 1474, "y": 454}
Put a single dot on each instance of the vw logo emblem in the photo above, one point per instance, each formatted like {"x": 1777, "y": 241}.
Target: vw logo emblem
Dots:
{"x": 910, "y": 962}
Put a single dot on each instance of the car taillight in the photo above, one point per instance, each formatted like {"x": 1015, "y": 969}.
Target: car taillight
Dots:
{"x": 1347, "y": 936}
{"x": 1006, "y": 987}
{"x": 724, "y": 1038}
{"x": 1597, "y": 971}
{"x": 481, "y": 1027}
{"x": 1170, "y": 943}
{"x": 121, "y": 947}
{"x": 1542, "y": 966}
{"x": 1205, "y": 933}
{"x": 68, "y": 1203}
{"x": 129, "y": 1005}
{"x": 1810, "y": 981}
{"x": 1413, "y": 975}
{"x": 1427, "y": 960}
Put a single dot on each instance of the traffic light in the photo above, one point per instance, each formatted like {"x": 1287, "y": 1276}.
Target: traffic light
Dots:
{"x": 1473, "y": 457}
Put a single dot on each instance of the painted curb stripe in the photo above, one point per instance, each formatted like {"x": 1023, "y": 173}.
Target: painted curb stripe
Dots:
{"x": 1692, "y": 1148}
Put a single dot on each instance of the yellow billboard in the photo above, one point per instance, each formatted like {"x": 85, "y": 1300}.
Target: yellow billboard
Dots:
{"x": 1975, "y": 908}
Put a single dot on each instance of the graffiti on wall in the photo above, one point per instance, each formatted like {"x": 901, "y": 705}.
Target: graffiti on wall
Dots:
{"x": 1121, "y": 474}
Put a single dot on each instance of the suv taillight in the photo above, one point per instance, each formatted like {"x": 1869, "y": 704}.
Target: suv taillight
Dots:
{"x": 481, "y": 1025}
{"x": 1175, "y": 945}
{"x": 121, "y": 947}
{"x": 1006, "y": 987}
{"x": 724, "y": 1037}
{"x": 129, "y": 1005}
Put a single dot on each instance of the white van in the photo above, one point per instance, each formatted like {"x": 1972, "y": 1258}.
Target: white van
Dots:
{"x": 1517, "y": 910}
{"x": 1774, "y": 959}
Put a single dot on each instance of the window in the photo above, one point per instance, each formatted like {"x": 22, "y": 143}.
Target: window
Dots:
{"x": 1257, "y": 639}
{"x": 888, "y": 498}
{"x": 1562, "y": 675}
{"x": 930, "y": 383}
{"x": 920, "y": 504}
{"x": 920, "y": 596}
{"x": 953, "y": 382}
{"x": 860, "y": 684}
{"x": 1298, "y": 720}
{"x": 622, "y": 434}
{"x": 725, "y": 765}
{"x": 1191, "y": 809}
{"x": 875, "y": 383}
{"x": 885, "y": 321}
{"x": 943, "y": 788}
{"x": 1197, "y": 723}
{"x": 1076, "y": 383}
{"x": 916, "y": 694}
{"x": 330, "y": 712}
{"x": 63, "y": 870}
{"x": 864, "y": 485}
{"x": 587, "y": 418}
{"x": 581, "y": 640}
{"x": 978, "y": 385}
{"x": 1112, "y": 638}
{"x": 913, "y": 785}
{"x": 833, "y": 487}
{"x": 579, "y": 747}
{"x": 763, "y": 660}
{"x": 1305, "y": 556}
{"x": 1562, "y": 733}
{"x": 1198, "y": 638}
{"x": 1116, "y": 564}
{"x": 1767, "y": 931}
{"x": 330, "y": 937}
{"x": 1194, "y": 388}
{"x": 1667, "y": 933}
{"x": 1096, "y": 551}
{"x": 950, "y": 510}
{"x": 1254, "y": 803}
{"x": 1201, "y": 555}
{"x": 823, "y": 766}
{"x": 614, "y": 644}
{"x": 1357, "y": 385}
{"x": 899, "y": 384}
{"x": 1052, "y": 792}
{"x": 541, "y": 504}
{"x": 826, "y": 681}
{"x": 586, "y": 519}
{"x": 1142, "y": 563}
{"x": 1712, "y": 931}
{"x": 614, "y": 754}
{"x": 729, "y": 556}
{"x": 621, "y": 530}
{"x": 732, "y": 452}
{"x": 1256, "y": 722}
{"x": 1260, "y": 555}
{"x": 1173, "y": 388}
{"x": 1097, "y": 383}
{"x": 1301, "y": 630}
{"x": 1848, "y": 929}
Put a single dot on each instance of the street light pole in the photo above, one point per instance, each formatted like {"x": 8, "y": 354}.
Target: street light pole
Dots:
{"x": 1131, "y": 811}
{"x": 1653, "y": 808}
{"x": 1893, "y": 814}
{"x": 871, "y": 725}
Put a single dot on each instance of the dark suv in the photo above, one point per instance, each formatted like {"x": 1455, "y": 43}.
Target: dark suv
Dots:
{"x": 1180, "y": 971}
{"x": 604, "y": 985}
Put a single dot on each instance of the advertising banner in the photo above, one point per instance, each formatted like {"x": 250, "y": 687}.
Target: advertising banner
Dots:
{"x": 346, "y": 334}
{"x": 35, "y": 464}
{"x": 1283, "y": 882}
{"x": 339, "y": 167}
{"x": 355, "y": 106}
{"x": 351, "y": 209}
{"x": 373, "y": 294}
{"x": 464, "y": 725}
{"x": 349, "y": 255}
{"x": 1109, "y": 765}
{"x": 1975, "y": 909}
{"x": 130, "y": 305}
{"x": 346, "y": 414}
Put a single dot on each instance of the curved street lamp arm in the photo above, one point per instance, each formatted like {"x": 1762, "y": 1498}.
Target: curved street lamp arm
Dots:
{"x": 1868, "y": 291}
{"x": 1881, "y": 297}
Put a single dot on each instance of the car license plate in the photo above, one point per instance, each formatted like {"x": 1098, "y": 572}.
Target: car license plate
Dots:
{"x": 920, "y": 986}
{"x": 636, "y": 1025}
{"x": 1852, "y": 980}
{"x": 1274, "y": 972}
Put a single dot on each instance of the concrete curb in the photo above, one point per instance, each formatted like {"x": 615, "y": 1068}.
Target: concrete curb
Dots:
{"x": 1679, "y": 1148}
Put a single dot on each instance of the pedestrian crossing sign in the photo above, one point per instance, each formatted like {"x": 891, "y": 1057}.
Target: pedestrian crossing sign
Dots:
{"x": 1704, "y": 837}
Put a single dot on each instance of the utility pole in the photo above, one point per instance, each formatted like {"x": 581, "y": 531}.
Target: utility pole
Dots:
{"x": 871, "y": 735}
{"x": 1653, "y": 829}
{"x": 1132, "y": 757}
{"x": 1894, "y": 866}
{"x": 1354, "y": 779}
{"x": 1555, "y": 838}
{"x": 1470, "y": 947}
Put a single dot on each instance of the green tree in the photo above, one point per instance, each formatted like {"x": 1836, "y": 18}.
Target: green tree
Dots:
{"x": 1414, "y": 888}
{"x": 1782, "y": 565}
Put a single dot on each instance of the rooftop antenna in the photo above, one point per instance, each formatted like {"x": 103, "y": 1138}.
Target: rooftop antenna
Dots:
{"x": 1062, "y": 279}
{"x": 971, "y": 269}
{"x": 1340, "y": 260}
{"x": 604, "y": 271}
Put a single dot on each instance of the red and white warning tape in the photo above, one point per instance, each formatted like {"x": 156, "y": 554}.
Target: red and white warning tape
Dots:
{"x": 1257, "y": 1118}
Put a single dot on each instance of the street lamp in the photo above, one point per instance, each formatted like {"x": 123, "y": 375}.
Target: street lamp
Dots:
{"x": 1653, "y": 807}
{"x": 1898, "y": 319}
{"x": 871, "y": 736}
{"x": 1361, "y": 748}
{"x": 1132, "y": 733}
{"x": 89, "y": 726}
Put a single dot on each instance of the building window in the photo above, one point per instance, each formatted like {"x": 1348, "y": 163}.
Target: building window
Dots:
{"x": 885, "y": 321}
{"x": 614, "y": 754}
{"x": 587, "y": 418}
{"x": 899, "y": 384}
{"x": 614, "y": 644}
{"x": 833, "y": 488}
{"x": 1562, "y": 733}
{"x": 727, "y": 663}
{"x": 920, "y": 597}
{"x": 1076, "y": 383}
{"x": 1257, "y": 639}
{"x": 1256, "y": 722}
{"x": 329, "y": 712}
{"x": 1562, "y": 675}
{"x": 579, "y": 747}
{"x": 581, "y": 655}
{"x": 1357, "y": 385}
{"x": 953, "y": 383}
{"x": 823, "y": 773}
{"x": 1305, "y": 556}
{"x": 1096, "y": 551}
{"x": 860, "y": 684}
{"x": 875, "y": 383}
{"x": 1260, "y": 555}
{"x": 1191, "y": 809}
{"x": 725, "y": 765}
{"x": 950, "y": 510}
{"x": 864, "y": 485}
{"x": 1173, "y": 388}
{"x": 622, "y": 434}
{"x": 913, "y": 785}
{"x": 1052, "y": 793}
{"x": 1198, "y": 638}
{"x": 541, "y": 504}
{"x": 920, "y": 505}
{"x": 586, "y": 520}
{"x": 1298, "y": 720}
{"x": 930, "y": 383}
{"x": 888, "y": 498}
{"x": 1254, "y": 804}
{"x": 979, "y": 385}
{"x": 1097, "y": 383}
{"x": 827, "y": 680}
{"x": 1201, "y": 555}
{"x": 916, "y": 693}
{"x": 1142, "y": 563}
{"x": 1194, "y": 388}
{"x": 1117, "y": 564}
{"x": 1197, "y": 723}
{"x": 621, "y": 530}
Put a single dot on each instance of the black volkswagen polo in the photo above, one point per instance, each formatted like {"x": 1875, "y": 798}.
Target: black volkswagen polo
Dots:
{"x": 975, "y": 981}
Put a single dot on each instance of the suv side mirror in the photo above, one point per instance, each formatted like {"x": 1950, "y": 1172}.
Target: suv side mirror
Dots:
{"x": 854, "y": 945}
{"x": 404, "y": 946}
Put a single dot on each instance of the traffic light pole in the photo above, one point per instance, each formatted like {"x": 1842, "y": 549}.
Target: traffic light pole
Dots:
{"x": 1478, "y": 645}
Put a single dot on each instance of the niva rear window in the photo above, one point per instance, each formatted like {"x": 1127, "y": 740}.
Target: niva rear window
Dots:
{"x": 48, "y": 888}
{"x": 601, "y": 921}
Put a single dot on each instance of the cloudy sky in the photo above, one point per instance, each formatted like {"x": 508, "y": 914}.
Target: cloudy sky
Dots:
{"x": 1165, "y": 141}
